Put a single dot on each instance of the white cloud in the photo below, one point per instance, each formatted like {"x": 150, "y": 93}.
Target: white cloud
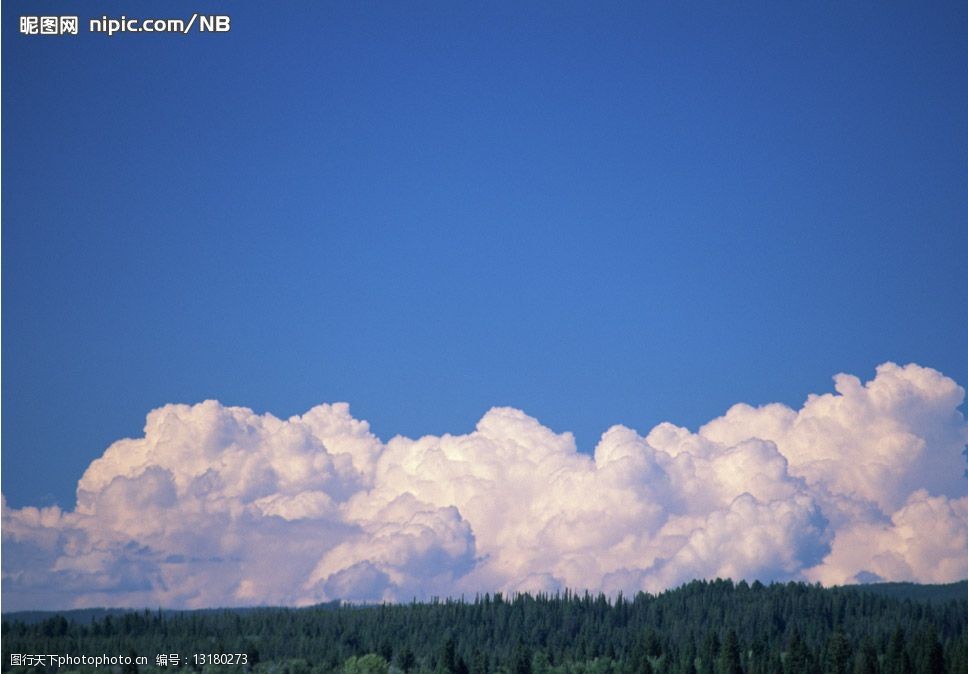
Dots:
{"x": 219, "y": 505}
{"x": 926, "y": 540}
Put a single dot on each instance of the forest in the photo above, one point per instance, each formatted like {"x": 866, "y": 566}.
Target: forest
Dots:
{"x": 703, "y": 627}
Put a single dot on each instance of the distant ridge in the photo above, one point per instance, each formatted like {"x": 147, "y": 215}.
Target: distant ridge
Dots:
{"x": 916, "y": 592}
{"x": 82, "y": 616}
{"x": 86, "y": 616}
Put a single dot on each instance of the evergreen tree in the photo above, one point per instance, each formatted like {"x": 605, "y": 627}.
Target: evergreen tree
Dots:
{"x": 687, "y": 662}
{"x": 958, "y": 660}
{"x": 838, "y": 654}
{"x": 929, "y": 655}
{"x": 708, "y": 653}
{"x": 728, "y": 661}
{"x": 447, "y": 660}
{"x": 797, "y": 656}
{"x": 757, "y": 654}
{"x": 130, "y": 666}
{"x": 479, "y": 664}
{"x": 896, "y": 659}
{"x": 638, "y": 662}
{"x": 865, "y": 661}
{"x": 406, "y": 659}
{"x": 521, "y": 660}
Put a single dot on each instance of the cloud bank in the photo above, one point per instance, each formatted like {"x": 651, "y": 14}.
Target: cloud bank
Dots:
{"x": 220, "y": 506}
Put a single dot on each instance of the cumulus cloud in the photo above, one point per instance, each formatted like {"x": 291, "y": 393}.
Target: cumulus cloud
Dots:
{"x": 219, "y": 505}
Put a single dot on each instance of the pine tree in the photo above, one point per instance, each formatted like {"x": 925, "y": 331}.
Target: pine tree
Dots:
{"x": 838, "y": 654}
{"x": 728, "y": 661}
{"x": 522, "y": 660}
{"x": 896, "y": 659}
{"x": 708, "y": 653}
{"x": 958, "y": 657}
{"x": 638, "y": 662}
{"x": 447, "y": 660}
{"x": 406, "y": 659}
{"x": 130, "y": 665}
{"x": 479, "y": 663}
{"x": 797, "y": 657}
{"x": 865, "y": 661}
{"x": 929, "y": 656}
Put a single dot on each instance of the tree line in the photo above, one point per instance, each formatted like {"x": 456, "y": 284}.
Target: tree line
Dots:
{"x": 703, "y": 627}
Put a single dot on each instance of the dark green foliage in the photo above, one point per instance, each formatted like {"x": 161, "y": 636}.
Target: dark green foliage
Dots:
{"x": 638, "y": 660}
{"x": 838, "y": 656}
{"x": 957, "y": 660}
{"x": 897, "y": 660}
{"x": 798, "y": 659}
{"x": 406, "y": 660}
{"x": 728, "y": 660}
{"x": 927, "y": 653}
{"x": 479, "y": 663}
{"x": 130, "y": 666}
{"x": 865, "y": 660}
{"x": 933, "y": 593}
{"x": 447, "y": 660}
{"x": 709, "y": 653}
{"x": 252, "y": 651}
{"x": 521, "y": 662}
{"x": 701, "y": 628}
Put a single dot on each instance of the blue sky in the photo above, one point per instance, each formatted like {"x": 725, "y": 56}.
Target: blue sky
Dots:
{"x": 597, "y": 213}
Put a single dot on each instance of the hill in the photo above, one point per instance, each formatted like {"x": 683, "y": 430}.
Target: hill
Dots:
{"x": 916, "y": 592}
